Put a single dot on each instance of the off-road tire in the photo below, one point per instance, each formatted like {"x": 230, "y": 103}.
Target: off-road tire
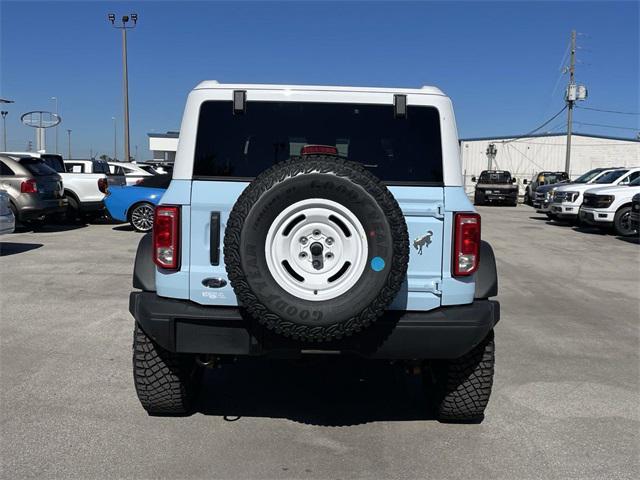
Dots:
{"x": 165, "y": 382}
{"x": 341, "y": 323}
{"x": 463, "y": 385}
{"x": 618, "y": 222}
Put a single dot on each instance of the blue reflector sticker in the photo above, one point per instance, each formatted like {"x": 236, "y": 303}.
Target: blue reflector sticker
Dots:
{"x": 377, "y": 264}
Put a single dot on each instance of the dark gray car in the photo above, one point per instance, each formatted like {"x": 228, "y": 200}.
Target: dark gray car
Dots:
{"x": 35, "y": 190}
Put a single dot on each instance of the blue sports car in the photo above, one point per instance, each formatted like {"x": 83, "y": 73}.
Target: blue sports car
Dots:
{"x": 135, "y": 203}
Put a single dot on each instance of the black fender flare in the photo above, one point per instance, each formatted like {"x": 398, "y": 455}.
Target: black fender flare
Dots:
{"x": 487, "y": 274}
{"x": 144, "y": 270}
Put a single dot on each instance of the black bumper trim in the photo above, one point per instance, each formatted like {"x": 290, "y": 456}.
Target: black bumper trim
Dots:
{"x": 92, "y": 206}
{"x": 186, "y": 327}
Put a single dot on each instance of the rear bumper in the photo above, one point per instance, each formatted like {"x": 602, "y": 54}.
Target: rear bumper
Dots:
{"x": 89, "y": 207}
{"x": 507, "y": 196}
{"x": 37, "y": 207}
{"x": 186, "y": 327}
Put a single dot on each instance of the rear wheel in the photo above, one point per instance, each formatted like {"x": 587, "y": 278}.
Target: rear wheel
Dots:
{"x": 73, "y": 210}
{"x": 141, "y": 217}
{"x": 622, "y": 222}
{"x": 463, "y": 386}
{"x": 165, "y": 382}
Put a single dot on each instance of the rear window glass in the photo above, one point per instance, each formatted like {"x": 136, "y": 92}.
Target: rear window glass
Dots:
{"x": 495, "y": 177}
{"x": 53, "y": 161}
{"x": 101, "y": 167}
{"x": 115, "y": 170}
{"x": 5, "y": 170}
{"x": 396, "y": 150}
{"x": 552, "y": 177}
{"x": 36, "y": 166}
{"x": 155, "y": 181}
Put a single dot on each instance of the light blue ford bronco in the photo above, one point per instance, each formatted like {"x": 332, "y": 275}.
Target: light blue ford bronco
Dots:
{"x": 316, "y": 220}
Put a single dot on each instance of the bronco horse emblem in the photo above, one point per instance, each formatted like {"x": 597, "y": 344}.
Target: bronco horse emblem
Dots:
{"x": 423, "y": 241}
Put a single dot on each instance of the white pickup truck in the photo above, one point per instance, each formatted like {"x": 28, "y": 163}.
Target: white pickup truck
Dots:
{"x": 85, "y": 183}
{"x": 611, "y": 207}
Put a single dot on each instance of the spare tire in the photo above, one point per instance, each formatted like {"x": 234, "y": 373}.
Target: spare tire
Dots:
{"x": 316, "y": 248}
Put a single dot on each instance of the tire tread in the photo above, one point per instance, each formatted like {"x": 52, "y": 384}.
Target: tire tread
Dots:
{"x": 162, "y": 379}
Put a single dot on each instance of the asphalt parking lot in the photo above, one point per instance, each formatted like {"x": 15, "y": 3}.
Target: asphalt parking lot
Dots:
{"x": 565, "y": 401}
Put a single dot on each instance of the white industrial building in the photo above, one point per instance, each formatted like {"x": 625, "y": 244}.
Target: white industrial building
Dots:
{"x": 525, "y": 156}
{"x": 522, "y": 156}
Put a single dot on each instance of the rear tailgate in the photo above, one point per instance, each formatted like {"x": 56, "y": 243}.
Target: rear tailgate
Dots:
{"x": 423, "y": 210}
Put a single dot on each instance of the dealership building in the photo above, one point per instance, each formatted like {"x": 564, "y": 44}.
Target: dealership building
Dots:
{"x": 163, "y": 146}
{"x": 522, "y": 156}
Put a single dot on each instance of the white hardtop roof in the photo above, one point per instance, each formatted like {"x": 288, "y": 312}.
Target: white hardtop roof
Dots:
{"x": 213, "y": 84}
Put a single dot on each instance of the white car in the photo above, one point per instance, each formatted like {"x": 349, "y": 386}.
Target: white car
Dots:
{"x": 567, "y": 199}
{"x": 610, "y": 207}
{"x": 132, "y": 172}
{"x": 7, "y": 220}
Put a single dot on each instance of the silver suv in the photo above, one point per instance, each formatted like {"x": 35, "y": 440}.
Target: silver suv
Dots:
{"x": 35, "y": 190}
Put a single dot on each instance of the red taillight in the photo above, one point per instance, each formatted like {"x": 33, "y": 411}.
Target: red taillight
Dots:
{"x": 318, "y": 150}
{"x": 466, "y": 244}
{"x": 166, "y": 237}
{"x": 103, "y": 185}
{"x": 29, "y": 186}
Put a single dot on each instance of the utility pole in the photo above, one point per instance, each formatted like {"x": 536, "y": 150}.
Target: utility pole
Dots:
{"x": 125, "y": 77}
{"x": 571, "y": 98}
{"x": 4, "y": 114}
{"x": 69, "y": 152}
{"x": 56, "y": 100}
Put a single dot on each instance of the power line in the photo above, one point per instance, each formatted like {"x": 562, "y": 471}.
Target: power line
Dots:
{"x": 608, "y": 111}
{"x": 525, "y": 156}
{"x": 538, "y": 128}
{"x": 608, "y": 126}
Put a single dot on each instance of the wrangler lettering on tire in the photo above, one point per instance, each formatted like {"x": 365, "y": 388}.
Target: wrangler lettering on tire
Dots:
{"x": 302, "y": 235}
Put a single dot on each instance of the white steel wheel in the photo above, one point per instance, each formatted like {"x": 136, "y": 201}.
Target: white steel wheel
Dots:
{"x": 316, "y": 249}
{"x": 142, "y": 217}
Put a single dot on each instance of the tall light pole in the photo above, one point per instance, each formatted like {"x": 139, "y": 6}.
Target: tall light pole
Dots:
{"x": 115, "y": 140}
{"x": 69, "y": 151}
{"x": 125, "y": 77}
{"x": 4, "y": 114}
{"x": 56, "y": 100}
